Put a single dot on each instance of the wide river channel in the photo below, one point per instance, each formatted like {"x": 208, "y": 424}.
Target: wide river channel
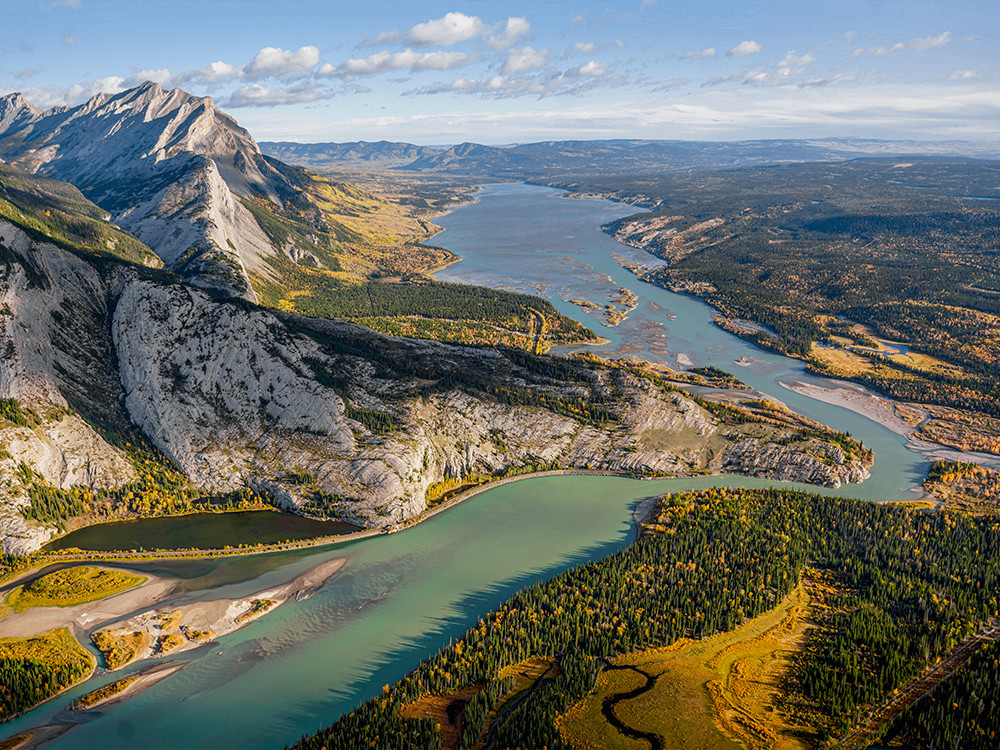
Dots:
{"x": 400, "y": 597}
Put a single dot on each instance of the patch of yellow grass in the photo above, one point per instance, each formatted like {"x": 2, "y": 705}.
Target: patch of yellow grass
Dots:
{"x": 102, "y": 694}
{"x": 844, "y": 363}
{"x": 523, "y": 676}
{"x": 713, "y": 694}
{"x": 435, "y": 707}
{"x": 119, "y": 647}
{"x": 751, "y": 671}
{"x": 927, "y": 363}
{"x": 71, "y": 586}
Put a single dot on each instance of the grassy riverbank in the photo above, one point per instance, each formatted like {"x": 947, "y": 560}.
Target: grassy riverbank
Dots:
{"x": 77, "y": 585}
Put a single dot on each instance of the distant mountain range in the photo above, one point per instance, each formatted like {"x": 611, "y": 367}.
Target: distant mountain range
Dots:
{"x": 547, "y": 159}
{"x": 231, "y": 217}
{"x": 360, "y": 154}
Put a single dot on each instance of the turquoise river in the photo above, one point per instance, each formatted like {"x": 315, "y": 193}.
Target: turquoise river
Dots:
{"x": 401, "y": 596}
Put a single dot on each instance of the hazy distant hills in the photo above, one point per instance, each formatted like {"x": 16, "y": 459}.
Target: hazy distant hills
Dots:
{"x": 612, "y": 157}
{"x": 385, "y": 154}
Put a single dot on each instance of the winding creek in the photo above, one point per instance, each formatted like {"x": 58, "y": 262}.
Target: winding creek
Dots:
{"x": 400, "y": 597}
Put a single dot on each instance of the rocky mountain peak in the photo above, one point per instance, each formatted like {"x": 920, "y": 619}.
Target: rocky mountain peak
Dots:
{"x": 15, "y": 101}
{"x": 167, "y": 165}
{"x": 16, "y": 111}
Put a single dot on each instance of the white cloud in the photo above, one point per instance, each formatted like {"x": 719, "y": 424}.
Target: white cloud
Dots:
{"x": 586, "y": 48}
{"x": 673, "y": 83}
{"x": 791, "y": 60}
{"x": 69, "y": 39}
{"x": 964, "y": 75}
{"x": 575, "y": 81}
{"x": 886, "y": 50}
{"x": 259, "y": 95}
{"x": 81, "y": 92}
{"x": 161, "y": 76}
{"x": 699, "y": 54}
{"x": 836, "y": 80}
{"x": 384, "y": 61}
{"x": 963, "y": 110}
{"x": 790, "y": 66}
{"x": 494, "y": 85}
{"x": 592, "y": 68}
{"x": 274, "y": 62}
{"x": 450, "y": 29}
{"x": 920, "y": 45}
{"x": 523, "y": 60}
{"x": 382, "y": 38}
{"x": 23, "y": 75}
{"x": 453, "y": 28}
{"x": 441, "y": 61}
{"x": 515, "y": 29}
{"x": 745, "y": 48}
{"x": 930, "y": 42}
{"x": 217, "y": 72}
{"x": 66, "y": 4}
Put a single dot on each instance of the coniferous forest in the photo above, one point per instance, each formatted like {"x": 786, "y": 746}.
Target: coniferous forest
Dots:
{"x": 963, "y": 711}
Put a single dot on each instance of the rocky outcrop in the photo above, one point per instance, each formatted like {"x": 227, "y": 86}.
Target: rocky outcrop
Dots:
{"x": 236, "y": 395}
{"x": 820, "y": 462}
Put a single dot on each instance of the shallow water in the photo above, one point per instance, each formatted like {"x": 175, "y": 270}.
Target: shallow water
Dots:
{"x": 402, "y": 596}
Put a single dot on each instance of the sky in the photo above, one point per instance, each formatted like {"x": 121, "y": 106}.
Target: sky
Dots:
{"x": 509, "y": 71}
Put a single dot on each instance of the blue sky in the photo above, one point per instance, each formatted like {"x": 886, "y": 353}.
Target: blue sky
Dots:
{"x": 513, "y": 71}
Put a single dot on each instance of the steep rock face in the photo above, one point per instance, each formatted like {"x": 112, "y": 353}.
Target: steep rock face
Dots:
{"x": 16, "y": 112}
{"x": 167, "y": 165}
{"x": 192, "y": 221}
{"x": 212, "y": 383}
{"x": 54, "y": 346}
{"x": 326, "y": 417}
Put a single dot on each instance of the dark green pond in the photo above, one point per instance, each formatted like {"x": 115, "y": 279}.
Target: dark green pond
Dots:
{"x": 201, "y": 530}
